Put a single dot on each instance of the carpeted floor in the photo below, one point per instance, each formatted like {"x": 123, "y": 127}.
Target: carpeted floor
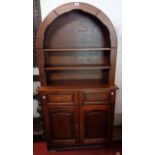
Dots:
{"x": 39, "y": 148}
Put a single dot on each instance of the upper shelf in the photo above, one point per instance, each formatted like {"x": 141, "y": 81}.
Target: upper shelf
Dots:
{"x": 78, "y": 67}
{"x": 76, "y": 49}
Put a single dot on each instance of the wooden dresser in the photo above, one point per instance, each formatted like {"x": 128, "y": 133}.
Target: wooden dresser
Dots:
{"x": 76, "y": 53}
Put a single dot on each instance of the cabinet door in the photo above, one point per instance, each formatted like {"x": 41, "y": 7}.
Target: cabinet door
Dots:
{"x": 95, "y": 124}
{"x": 63, "y": 125}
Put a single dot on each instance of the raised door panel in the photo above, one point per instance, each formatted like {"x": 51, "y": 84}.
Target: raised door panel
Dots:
{"x": 95, "y": 124}
{"x": 63, "y": 126}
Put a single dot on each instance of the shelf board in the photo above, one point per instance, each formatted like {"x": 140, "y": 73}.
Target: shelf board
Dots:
{"x": 78, "y": 67}
{"x": 77, "y": 49}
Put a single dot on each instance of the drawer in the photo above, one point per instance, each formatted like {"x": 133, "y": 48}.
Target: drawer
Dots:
{"x": 62, "y": 98}
{"x": 95, "y": 97}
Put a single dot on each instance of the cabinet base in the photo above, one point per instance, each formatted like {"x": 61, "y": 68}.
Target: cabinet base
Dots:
{"x": 50, "y": 148}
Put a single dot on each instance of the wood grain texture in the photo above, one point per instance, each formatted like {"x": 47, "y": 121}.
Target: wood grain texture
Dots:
{"x": 63, "y": 125}
{"x": 79, "y": 29}
{"x": 82, "y": 29}
{"x": 67, "y": 8}
{"x": 65, "y": 85}
{"x": 90, "y": 74}
{"x": 94, "y": 97}
{"x": 94, "y": 124}
{"x": 63, "y": 98}
{"x": 77, "y": 58}
{"x": 76, "y": 53}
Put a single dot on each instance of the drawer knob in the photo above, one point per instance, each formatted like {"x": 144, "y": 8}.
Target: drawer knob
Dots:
{"x": 44, "y": 97}
{"x": 112, "y": 93}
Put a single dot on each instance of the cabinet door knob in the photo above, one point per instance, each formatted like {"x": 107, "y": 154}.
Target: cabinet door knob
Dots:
{"x": 112, "y": 93}
{"x": 44, "y": 97}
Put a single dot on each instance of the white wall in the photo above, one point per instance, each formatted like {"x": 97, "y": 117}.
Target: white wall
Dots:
{"x": 112, "y": 8}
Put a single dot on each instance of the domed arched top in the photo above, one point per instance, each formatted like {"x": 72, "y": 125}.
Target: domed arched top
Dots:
{"x": 69, "y": 7}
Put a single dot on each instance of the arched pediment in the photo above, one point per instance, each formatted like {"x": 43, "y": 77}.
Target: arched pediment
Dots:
{"x": 86, "y": 11}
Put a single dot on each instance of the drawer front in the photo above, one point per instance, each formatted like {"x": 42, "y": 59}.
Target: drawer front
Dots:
{"x": 62, "y": 98}
{"x": 95, "y": 97}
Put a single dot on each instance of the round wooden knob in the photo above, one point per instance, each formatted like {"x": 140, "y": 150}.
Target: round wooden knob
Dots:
{"x": 44, "y": 97}
{"x": 112, "y": 93}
